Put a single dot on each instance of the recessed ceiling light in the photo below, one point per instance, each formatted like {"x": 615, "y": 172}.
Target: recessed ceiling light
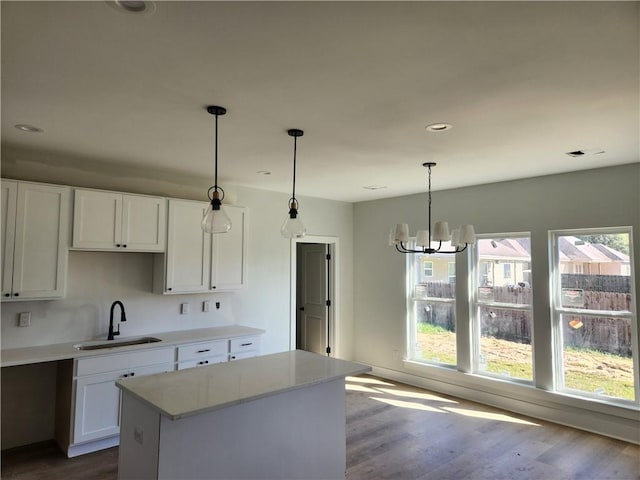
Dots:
{"x": 263, "y": 172}
{"x": 28, "y": 128}
{"x": 438, "y": 127}
{"x": 134, "y": 6}
{"x": 375, "y": 187}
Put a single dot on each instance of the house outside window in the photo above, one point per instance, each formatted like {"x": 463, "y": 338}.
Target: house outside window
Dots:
{"x": 593, "y": 313}
{"x": 502, "y": 311}
{"x": 431, "y": 332}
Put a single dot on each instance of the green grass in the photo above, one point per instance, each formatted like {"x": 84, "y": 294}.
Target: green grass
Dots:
{"x": 585, "y": 370}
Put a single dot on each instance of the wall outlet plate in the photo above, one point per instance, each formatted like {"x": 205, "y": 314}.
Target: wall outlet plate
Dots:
{"x": 24, "y": 319}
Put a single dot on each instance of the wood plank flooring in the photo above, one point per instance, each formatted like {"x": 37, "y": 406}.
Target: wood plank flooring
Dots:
{"x": 395, "y": 431}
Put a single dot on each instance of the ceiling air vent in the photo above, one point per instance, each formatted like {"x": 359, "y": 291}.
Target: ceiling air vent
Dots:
{"x": 585, "y": 151}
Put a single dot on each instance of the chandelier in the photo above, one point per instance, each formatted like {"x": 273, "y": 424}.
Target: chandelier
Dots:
{"x": 460, "y": 238}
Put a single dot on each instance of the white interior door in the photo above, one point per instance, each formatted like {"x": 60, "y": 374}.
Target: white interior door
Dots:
{"x": 311, "y": 297}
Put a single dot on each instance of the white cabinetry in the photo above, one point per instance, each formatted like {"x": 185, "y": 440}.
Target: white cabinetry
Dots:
{"x": 35, "y": 231}
{"x": 202, "y": 353}
{"x": 244, "y": 347}
{"x": 96, "y": 405}
{"x": 197, "y": 262}
{"x": 114, "y": 221}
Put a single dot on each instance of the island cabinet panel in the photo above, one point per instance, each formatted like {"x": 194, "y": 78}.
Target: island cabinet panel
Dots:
{"x": 114, "y": 221}
{"x": 297, "y": 434}
{"x": 198, "y": 262}
{"x": 35, "y": 232}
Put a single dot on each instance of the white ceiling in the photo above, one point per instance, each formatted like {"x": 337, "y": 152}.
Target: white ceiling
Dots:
{"x": 522, "y": 83}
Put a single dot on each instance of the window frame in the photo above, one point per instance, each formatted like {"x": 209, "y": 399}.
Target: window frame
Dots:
{"x": 412, "y": 299}
{"x": 557, "y": 311}
{"x": 475, "y": 304}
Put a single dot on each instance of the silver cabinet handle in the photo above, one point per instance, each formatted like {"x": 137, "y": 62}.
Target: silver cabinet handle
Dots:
{"x": 246, "y": 344}
{"x": 204, "y": 351}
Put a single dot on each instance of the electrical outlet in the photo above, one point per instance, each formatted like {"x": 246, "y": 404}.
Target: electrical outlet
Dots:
{"x": 24, "y": 319}
{"x": 138, "y": 435}
{"x": 184, "y": 309}
{"x": 206, "y": 306}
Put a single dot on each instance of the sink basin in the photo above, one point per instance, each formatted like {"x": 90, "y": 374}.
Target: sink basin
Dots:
{"x": 116, "y": 343}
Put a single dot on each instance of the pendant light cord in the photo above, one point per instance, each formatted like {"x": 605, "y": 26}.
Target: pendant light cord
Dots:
{"x": 215, "y": 180}
{"x": 295, "y": 143}
{"x": 429, "y": 209}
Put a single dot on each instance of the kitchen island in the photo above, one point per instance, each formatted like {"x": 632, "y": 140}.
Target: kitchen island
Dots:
{"x": 275, "y": 416}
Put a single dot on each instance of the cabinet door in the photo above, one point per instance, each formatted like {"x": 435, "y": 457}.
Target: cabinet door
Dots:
{"x": 41, "y": 241}
{"x": 97, "y": 406}
{"x": 188, "y": 262}
{"x": 97, "y": 402}
{"x": 229, "y": 253}
{"x": 97, "y": 220}
{"x": 144, "y": 221}
{"x": 8, "y": 205}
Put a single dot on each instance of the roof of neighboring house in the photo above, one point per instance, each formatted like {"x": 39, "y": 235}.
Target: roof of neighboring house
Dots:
{"x": 572, "y": 249}
{"x": 576, "y": 250}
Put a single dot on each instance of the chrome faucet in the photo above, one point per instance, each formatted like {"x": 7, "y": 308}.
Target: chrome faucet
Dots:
{"x": 123, "y": 318}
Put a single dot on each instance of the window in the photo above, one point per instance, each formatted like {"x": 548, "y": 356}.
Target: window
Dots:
{"x": 427, "y": 269}
{"x": 594, "y": 318}
{"x": 506, "y": 268}
{"x": 432, "y": 309}
{"x": 502, "y": 307}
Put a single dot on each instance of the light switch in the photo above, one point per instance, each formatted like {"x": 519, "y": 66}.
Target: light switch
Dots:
{"x": 206, "y": 306}
{"x": 24, "y": 319}
{"x": 184, "y": 309}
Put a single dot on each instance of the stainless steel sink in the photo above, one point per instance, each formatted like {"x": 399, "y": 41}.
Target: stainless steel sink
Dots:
{"x": 116, "y": 343}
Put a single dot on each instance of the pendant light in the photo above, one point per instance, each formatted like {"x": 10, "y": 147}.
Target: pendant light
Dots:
{"x": 292, "y": 226}
{"x": 460, "y": 238}
{"x": 216, "y": 219}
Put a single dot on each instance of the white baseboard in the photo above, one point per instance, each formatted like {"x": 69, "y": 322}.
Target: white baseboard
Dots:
{"x": 82, "y": 448}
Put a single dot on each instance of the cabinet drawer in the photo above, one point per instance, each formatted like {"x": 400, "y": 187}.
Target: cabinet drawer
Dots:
{"x": 203, "y": 362}
{"x": 151, "y": 357}
{"x": 240, "y": 356}
{"x": 196, "y": 351}
{"x": 123, "y": 361}
{"x": 244, "y": 344}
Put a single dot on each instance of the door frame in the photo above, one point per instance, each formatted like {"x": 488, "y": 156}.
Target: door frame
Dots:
{"x": 333, "y": 319}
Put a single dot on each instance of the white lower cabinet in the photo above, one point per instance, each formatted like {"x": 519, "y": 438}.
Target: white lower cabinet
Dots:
{"x": 88, "y": 384}
{"x": 202, "y": 353}
{"x": 96, "y": 399}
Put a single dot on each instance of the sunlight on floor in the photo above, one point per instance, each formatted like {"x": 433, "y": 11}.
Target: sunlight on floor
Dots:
{"x": 489, "y": 416}
{"x": 422, "y": 396}
{"x": 375, "y": 381}
{"x": 374, "y": 385}
{"x": 412, "y": 405}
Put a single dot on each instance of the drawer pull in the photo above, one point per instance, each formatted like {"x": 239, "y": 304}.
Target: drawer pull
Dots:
{"x": 204, "y": 351}
{"x": 246, "y": 344}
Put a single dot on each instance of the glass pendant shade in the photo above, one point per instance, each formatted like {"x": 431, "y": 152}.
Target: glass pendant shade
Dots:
{"x": 293, "y": 228}
{"x": 216, "y": 219}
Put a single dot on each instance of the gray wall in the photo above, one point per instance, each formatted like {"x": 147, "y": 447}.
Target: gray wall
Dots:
{"x": 588, "y": 199}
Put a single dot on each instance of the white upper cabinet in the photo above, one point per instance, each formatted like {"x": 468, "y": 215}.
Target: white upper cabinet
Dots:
{"x": 115, "y": 221}
{"x": 197, "y": 262}
{"x": 35, "y": 231}
{"x": 228, "y": 269}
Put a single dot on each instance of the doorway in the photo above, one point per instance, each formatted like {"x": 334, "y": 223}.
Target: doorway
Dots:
{"x": 313, "y": 295}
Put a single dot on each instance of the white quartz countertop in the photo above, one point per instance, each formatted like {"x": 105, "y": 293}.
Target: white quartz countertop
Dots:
{"x": 198, "y": 390}
{"x": 61, "y": 351}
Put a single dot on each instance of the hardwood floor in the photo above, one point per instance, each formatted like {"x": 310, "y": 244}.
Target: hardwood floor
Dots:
{"x": 395, "y": 431}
